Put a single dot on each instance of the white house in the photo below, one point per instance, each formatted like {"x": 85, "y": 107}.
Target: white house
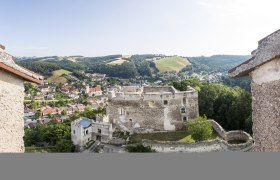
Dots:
{"x": 12, "y": 77}
{"x": 84, "y": 130}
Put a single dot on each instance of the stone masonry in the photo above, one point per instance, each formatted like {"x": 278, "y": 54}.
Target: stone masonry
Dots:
{"x": 11, "y": 113}
{"x": 264, "y": 69}
{"x": 153, "y": 108}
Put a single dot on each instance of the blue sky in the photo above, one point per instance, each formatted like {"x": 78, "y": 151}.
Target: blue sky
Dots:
{"x": 104, "y": 27}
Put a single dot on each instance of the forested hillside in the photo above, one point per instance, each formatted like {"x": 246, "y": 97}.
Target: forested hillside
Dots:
{"x": 229, "y": 106}
{"x": 216, "y": 63}
{"x": 136, "y": 65}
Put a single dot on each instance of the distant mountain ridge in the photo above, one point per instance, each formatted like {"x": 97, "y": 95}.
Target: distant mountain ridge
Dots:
{"x": 131, "y": 66}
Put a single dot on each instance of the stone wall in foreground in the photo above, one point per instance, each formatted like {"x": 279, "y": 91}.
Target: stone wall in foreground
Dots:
{"x": 11, "y": 113}
{"x": 266, "y": 116}
{"x": 217, "y": 145}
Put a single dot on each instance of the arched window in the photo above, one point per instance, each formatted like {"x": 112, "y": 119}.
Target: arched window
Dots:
{"x": 183, "y": 110}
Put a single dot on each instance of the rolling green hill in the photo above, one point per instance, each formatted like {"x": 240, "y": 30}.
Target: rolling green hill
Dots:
{"x": 57, "y": 76}
{"x": 131, "y": 66}
{"x": 217, "y": 63}
{"x": 168, "y": 64}
{"x": 117, "y": 62}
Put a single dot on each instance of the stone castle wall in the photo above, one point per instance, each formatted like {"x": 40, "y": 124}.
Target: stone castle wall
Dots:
{"x": 216, "y": 145}
{"x": 266, "y": 116}
{"x": 154, "y": 110}
{"x": 11, "y": 113}
{"x": 265, "y": 86}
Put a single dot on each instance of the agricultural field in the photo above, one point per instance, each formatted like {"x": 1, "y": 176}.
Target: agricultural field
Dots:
{"x": 169, "y": 64}
{"x": 117, "y": 62}
{"x": 57, "y": 76}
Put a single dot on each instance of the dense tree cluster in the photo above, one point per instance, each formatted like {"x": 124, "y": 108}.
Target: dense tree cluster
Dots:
{"x": 229, "y": 106}
{"x": 125, "y": 70}
{"x": 216, "y": 63}
{"x": 243, "y": 82}
{"x": 43, "y": 68}
{"x": 54, "y": 134}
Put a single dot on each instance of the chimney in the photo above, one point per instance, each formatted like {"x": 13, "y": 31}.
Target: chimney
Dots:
{"x": 2, "y": 48}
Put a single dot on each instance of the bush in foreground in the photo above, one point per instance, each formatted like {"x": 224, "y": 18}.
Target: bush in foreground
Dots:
{"x": 200, "y": 129}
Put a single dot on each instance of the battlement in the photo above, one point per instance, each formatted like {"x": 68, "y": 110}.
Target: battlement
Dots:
{"x": 153, "y": 92}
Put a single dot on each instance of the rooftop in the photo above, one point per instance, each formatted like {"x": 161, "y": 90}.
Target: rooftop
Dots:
{"x": 85, "y": 123}
{"x": 8, "y": 64}
{"x": 268, "y": 49}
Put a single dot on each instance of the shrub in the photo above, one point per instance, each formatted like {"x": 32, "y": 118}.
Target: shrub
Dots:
{"x": 200, "y": 129}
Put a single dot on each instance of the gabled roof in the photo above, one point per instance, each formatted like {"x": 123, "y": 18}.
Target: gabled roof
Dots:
{"x": 8, "y": 64}
{"x": 268, "y": 49}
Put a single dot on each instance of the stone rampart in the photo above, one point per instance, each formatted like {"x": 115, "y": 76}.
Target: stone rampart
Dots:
{"x": 216, "y": 145}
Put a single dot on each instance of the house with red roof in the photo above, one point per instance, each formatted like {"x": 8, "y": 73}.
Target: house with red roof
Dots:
{"x": 96, "y": 91}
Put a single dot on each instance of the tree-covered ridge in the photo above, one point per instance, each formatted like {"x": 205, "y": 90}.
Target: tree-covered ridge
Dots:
{"x": 135, "y": 65}
{"x": 216, "y": 63}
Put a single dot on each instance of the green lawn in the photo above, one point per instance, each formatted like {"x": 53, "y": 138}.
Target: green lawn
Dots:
{"x": 168, "y": 64}
{"x": 162, "y": 136}
{"x": 187, "y": 139}
{"x": 182, "y": 136}
{"x": 35, "y": 149}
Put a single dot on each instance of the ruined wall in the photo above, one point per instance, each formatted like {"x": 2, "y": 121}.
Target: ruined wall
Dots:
{"x": 11, "y": 113}
{"x": 148, "y": 114}
{"x": 192, "y": 104}
{"x": 266, "y": 106}
{"x": 157, "y": 108}
{"x": 216, "y": 145}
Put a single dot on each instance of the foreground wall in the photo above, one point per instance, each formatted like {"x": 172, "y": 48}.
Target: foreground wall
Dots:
{"x": 11, "y": 113}
{"x": 217, "y": 145}
{"x": 266, "y": 106}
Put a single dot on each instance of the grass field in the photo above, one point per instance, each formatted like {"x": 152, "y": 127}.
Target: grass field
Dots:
{"x": 34, "y": 149}
{"x": 180, "y": 136}
{"x": 57, "y": 76}
{"x": 162, "y": 136}
{"x": 169, "y": 64}
{"x": 117, "y": 62}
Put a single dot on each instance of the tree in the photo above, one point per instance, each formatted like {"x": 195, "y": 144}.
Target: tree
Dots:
{"x": 50, "y": 115}
{"x": 38, "y": 114}
{"x": 55, "y": 134}
{"x": 64, "y": 113}
{"x": 229, "y": 106}
{"x": 200, "y": 129}
{"x": 64, "y": 145}
{"x": 34, "y": 104}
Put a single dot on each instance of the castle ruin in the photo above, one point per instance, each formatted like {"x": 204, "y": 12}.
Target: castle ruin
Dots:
{"x": 144, "y": 109}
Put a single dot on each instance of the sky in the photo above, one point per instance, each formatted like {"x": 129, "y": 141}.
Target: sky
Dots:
{"x": 105, "y": 27}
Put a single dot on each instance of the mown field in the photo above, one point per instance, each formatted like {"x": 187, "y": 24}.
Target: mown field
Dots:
{"x": 117, "y": 62}
{"x": 169, "y": 64}
{"x": 179, "y": 136}
{"x": 57, "y": 76}
{"x": 161, "y": 136}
